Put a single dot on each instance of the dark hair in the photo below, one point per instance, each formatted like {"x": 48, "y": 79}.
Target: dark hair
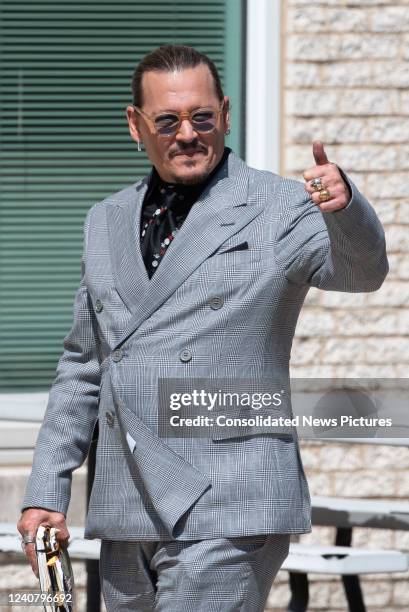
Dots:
{"x": 168, "y": 58}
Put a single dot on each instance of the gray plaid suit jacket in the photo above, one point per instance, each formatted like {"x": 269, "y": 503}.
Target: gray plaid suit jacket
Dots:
{"x": 129, "y": 330}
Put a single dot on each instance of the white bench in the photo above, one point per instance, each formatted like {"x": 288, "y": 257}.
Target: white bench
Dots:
{"x": 79, "y": 549}
{"x": 346, "y": 561}
{"x": 357, "y": 512}
{"x": 343, "y": 560}
{"x": 321, "y": 559}
{"x": 344, "y": 514}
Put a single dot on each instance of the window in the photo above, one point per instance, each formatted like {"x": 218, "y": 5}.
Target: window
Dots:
{"x": 65, "y": 71}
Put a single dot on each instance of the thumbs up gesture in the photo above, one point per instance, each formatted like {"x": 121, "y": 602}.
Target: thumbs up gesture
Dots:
{"x": 324, "y": 182}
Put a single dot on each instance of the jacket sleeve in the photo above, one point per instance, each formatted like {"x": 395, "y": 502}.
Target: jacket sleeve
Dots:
{"x": 66, "y": 432}
{"x": 339, "y": 251}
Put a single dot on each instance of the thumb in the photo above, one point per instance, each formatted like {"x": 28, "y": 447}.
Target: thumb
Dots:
{"x": 62, "y": 533}
{"x": 319, "y": 153}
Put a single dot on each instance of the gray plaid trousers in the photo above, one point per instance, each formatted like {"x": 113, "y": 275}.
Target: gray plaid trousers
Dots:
{"x": 221, "y": 575}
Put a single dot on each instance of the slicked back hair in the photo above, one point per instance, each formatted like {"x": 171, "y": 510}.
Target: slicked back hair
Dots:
{"x": 168, "y": 58}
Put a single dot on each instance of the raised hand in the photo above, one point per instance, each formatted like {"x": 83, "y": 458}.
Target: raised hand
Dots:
{"x": 324, "y": 182}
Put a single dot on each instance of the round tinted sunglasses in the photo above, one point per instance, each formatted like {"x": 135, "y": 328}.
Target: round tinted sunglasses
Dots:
{"x": 167, "y": 124}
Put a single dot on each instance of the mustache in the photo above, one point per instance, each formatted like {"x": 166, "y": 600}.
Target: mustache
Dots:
{"x": 189, "y": 148}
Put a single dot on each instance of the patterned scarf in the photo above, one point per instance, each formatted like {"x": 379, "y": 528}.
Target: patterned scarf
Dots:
{"x": 165, "y": 207}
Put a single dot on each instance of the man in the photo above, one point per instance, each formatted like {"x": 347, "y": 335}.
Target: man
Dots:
{"x": 199, "y": 270}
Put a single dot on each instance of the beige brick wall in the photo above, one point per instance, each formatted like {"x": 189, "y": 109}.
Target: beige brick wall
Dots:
{"x": 346, "y": 82}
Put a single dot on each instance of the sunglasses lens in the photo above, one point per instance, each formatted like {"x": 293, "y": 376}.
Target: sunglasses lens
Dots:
{"x": 204, "y": 121}
{"x": 166, "y": 124}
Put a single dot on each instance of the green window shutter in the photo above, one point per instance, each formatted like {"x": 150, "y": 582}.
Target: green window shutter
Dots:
{"x": 65, "y": 71}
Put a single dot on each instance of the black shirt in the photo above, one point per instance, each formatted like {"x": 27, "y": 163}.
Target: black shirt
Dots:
{"x": 164, "y": 209}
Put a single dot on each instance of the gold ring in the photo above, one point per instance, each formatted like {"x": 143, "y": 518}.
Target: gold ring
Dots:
{"x": 324, "y": 195}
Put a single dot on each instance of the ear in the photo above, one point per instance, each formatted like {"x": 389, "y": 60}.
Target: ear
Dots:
{"x": 133, "y": 124}
{"x": 226, "y": 113}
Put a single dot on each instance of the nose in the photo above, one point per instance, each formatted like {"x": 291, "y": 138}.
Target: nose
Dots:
{"x": 186, "y": 133}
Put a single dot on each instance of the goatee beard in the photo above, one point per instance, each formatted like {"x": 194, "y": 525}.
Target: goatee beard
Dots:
{"x": 193, "y": 180}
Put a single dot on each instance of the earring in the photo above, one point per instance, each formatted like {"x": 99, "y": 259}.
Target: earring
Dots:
{"x": 139, "y": 146}
{"x": 227, "y": 132}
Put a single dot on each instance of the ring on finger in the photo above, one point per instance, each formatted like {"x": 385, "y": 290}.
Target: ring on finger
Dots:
{"x": 24, "y": 546}
{"x": 317, "y": 184}
{"x": 324, "y": 195}
{"x": 27, "y": 539}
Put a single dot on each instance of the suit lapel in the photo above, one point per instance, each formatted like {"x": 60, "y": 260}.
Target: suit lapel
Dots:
{"x": 131, "y": 277}
{"x": 220, "y": 212}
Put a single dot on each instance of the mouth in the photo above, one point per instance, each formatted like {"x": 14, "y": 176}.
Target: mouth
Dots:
{"x": 189, "y": 153}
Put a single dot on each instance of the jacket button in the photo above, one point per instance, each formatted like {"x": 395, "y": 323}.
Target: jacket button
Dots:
{"x": 110, "y": 418}
{"x": 98, "y": 305}
{"x": 216, "y": 302}
{"x": 185, "y": 355}
{"x": 117, "y": 355}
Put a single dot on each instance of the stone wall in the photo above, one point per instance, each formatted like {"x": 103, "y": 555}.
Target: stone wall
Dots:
{"x": 346, "y": 78}
{"x": 346, "y": 73}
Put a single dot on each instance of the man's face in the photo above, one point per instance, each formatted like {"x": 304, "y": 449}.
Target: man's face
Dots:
{"x": 188, "y": 156}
